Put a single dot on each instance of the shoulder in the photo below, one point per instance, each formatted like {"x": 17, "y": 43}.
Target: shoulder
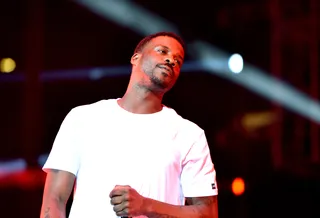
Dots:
{"x": 94, "y": 107}
{"x": 90, "y": 111}
{"x": 185, "y": 125}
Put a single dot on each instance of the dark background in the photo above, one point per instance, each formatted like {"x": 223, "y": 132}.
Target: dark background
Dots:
{"x": 279, "y": 161}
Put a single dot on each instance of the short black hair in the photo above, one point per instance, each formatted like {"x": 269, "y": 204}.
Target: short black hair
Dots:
{"x": 148, "y": 38}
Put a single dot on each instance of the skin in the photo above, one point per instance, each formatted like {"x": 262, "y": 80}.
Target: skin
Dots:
{"x": 155, "y": 70}
{"x": 128, "y": 202}
{"x": 57, "y": 190}
{"x": 148, "y": 82}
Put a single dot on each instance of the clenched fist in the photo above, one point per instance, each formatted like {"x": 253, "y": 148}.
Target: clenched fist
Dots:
{"x": 127, "y": 201}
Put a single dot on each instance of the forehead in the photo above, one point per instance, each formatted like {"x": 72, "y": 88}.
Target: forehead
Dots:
{"x": 173, "y": 44}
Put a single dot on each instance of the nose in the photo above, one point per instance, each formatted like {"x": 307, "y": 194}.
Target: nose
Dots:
{"x": 169, "y": 61}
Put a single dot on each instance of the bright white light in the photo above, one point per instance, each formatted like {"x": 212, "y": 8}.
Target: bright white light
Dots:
{"x": 211, "y": 59}
{"x": 235, "y": 63}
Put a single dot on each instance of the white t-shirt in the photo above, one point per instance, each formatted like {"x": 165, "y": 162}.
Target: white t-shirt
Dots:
{"x": 162, "y": 155}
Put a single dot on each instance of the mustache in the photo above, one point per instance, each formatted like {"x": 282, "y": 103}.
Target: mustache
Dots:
{"x": 166, "y": 65}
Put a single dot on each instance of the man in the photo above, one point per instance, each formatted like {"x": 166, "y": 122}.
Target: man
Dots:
{"x": 133, "y": 156}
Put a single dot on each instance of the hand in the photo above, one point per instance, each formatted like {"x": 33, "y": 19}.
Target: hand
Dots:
{"x": 127, "y": 201}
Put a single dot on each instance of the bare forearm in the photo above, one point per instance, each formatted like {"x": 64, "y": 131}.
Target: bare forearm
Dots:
{"x": 53, "y": 208}
{"x": 157, "y": 209}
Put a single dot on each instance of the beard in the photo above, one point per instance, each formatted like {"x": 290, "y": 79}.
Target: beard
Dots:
{"x": 157, "y": 82}
{"x": 156, "y": 79}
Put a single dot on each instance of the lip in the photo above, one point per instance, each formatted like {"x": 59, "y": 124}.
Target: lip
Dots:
{"x": 167, "y": 69}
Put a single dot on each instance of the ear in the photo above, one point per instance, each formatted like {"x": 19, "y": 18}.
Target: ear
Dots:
{"x": 135, "y": 57}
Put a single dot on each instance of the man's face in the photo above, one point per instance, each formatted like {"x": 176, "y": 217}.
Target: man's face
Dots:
{"x": 161, "y": 61}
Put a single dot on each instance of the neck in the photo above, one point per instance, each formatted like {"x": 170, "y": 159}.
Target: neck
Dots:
{"x": 141, "y": 101}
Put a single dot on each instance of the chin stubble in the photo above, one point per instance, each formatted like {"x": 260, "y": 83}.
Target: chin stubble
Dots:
{"x": 157, "y": 82}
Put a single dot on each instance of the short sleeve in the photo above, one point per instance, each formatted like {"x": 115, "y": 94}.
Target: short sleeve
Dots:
{"x": 64, "y": 154}
{"x": 198, "y": 177}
